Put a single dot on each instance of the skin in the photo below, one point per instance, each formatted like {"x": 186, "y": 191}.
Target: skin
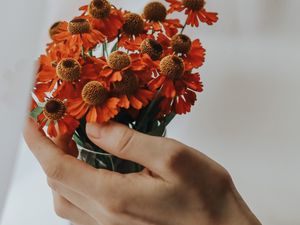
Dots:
{"x": 179, "y": 186}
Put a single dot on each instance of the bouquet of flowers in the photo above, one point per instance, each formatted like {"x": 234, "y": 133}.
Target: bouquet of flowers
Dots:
{"x": 112, "y": 64}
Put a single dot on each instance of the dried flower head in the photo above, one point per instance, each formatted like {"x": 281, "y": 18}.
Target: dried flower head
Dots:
{"x": 54, "y": 109}
{"x": 172, "y": 66}
{"x": 194, "y": 5}
{"x": 54, "y": 29}
{"x": 133, "y": 24}
{"x": 94, "y": 93}
{"x": 155, "y": 11}
{"x": 152, "y": 47}
{"x": 99, "y": 9}
{"x": 118, "y": 60}
{"x": 181, "y": 44}
{"x": 129, "y": 84}
{"x": 68, "y": 70}
{"x": 79, "y": 26}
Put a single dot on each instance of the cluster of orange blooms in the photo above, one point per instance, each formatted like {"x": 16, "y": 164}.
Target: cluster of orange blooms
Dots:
{"x": 108, "y": 63}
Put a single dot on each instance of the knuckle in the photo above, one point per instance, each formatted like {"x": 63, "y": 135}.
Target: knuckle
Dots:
{"x": 52, "y": 184}
{"x": 117, "y": 207}
{"x": 225, "y": 180}
{"x": 126, "y": 140}
{"x": 176, "y": 156}
{"x": 61, "y": 208}
{"x": 54, "y": 171}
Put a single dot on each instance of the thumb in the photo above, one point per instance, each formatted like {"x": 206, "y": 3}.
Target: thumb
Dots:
{"x": 126, "y": 143}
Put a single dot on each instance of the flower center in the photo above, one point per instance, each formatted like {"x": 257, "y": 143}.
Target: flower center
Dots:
{"x": 194, "y": 5}
{"x": 181, "y": 43}
{"x": 172, "y": 66}
{"x": 79, "y": 26}
{"x": 68, "y": 70}
{"x": 155, "y": 11}
{"x": 54, "y": 109}
{"x": 152, "y": 48}
{"x": 93, "y": 93}
{"x": 99, "y": 9}
{"x": 133, "y": 24}
{"x": 54, "y": 29}
{"x": 118, "y": 60}
{"x": 129, "y": 84}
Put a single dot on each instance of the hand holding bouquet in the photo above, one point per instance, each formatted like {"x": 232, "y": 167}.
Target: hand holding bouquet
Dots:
{"x": 110, "y": 64}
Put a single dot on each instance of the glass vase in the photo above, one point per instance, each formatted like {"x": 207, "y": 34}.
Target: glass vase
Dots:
{"x": 98, "y": 158}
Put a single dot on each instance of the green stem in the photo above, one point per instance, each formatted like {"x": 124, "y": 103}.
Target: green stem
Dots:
{"x": 143, "y": 122}
{"x": 184, "y": 26}
{"x": 105, "y": 48}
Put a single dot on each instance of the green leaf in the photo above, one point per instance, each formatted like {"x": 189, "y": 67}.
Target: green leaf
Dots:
{"x": 77, "y": 139}
{"x": 169, "y": 118}
{"x": 115, "y": 47}
{"x": 159, "y": 131}
{"x": 36, "y": 112}
{"x": 147, "y": 115}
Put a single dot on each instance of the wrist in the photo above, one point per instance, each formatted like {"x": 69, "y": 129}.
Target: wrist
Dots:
{"x": 237, "y": 212}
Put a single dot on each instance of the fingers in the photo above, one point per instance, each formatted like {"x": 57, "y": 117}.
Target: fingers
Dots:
{"x": 107, "y": 211}
{"x": 66, "y": 169}
{"x": 66, "y": 143}
{"x": 152, "y": 152}
{"x": 66, "y": 210}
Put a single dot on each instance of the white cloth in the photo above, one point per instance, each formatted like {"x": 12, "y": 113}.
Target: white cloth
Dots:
{"x": 20, "y": 29}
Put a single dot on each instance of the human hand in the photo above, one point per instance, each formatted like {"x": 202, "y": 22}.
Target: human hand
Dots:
{"x": 179, "y": 185}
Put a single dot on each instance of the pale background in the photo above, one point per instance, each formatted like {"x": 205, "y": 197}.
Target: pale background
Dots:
{"x": 247, "y": 119}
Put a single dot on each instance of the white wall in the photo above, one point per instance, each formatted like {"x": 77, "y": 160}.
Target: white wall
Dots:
{"x": 247, "y": 119}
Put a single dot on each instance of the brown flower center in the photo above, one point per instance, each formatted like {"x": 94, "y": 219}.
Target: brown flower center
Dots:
{"x": 79, "y": 26}
{"x": 118, "y": 60}
{"x": 99, "y": 9}
{"x": 194, "y": 5}
{"x": 129, "y": 84}
{"x": 172, "y": 66}
{"x": 93, "y": 93}
{"x": 155, "y": 11}
{"x": 54, "y": 109}
{"x": 54, "y": 29}
{"x": 181, "y": 44}
{"x": 152, "y": 48}
{"x": 133, "y": 24}
{"x": 68, "y": 70}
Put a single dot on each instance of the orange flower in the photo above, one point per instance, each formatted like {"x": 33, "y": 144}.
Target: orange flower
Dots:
{"x": 176, "y": 84}
{"x": 54, "y": 116}
{"x": 63, "y": 78}
{"x": 155, "y": 14}
{"x": 192, "y": 52}
{"x": 131, "y": 91}
{"x": 78, "y": 34}
{"x": 40, "y": 90}
{"x": 104, "y": 17}
{"x": 195, "y": 11}
{"x": 95, "y": 103}
{"x": 57, "y": 50}
{"x": 181, "y": 104}
{"x": 172, "y": 73}
{"x": 118, "y": 62}
{"x": 133, "y": 32}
